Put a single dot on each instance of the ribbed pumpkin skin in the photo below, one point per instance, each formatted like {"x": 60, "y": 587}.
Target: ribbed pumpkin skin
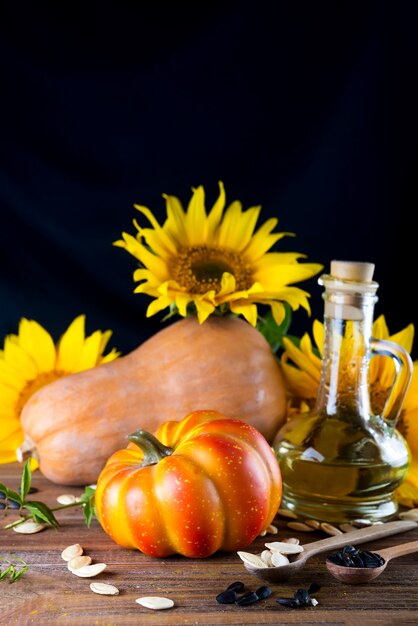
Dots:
{"x": 224, "y": 364}
{"x": 218, "y": 490}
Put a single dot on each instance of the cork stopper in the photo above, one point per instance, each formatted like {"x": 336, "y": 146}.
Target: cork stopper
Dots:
{"x": 352, "y": 270}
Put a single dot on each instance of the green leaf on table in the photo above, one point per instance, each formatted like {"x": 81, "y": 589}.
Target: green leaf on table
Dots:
{"x": 41, "y": 513}
{"x": 87, "y": 501}
{"x": 25, "y": 480}
{"x": 17, "y": 574}
{"x": 7, "y": 571}
{"x": 10, "y": 494}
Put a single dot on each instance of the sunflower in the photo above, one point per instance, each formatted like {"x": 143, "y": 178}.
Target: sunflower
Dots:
{"x": 207, "y": 262}
{"x": 301, "y": 367}
{"x": 30, "y": 360}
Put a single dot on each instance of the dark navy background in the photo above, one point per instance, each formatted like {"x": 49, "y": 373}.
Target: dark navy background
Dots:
{"x": 310, "y": 110}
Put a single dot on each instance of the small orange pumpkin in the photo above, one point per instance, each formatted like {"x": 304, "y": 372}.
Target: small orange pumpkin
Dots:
{"x": 203, "y": 484}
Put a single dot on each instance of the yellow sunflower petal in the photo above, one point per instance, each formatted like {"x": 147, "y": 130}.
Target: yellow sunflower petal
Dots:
{"x": 9, "y": 445}
{"x": 70, "y": 345}
{"x": 318, "y": 335}
{"x": 89, "y": 355}
{"x": 158, "y": 305}
{"x": 196, "y": 218}
{"x": 19, "y": 358}
{"x": 302, "y": 360}
{"x": 299, "y": 383}
{"x": 246, "y": 309}
{"x": 263, "y": 240}
{"x": 405, "y": 337}
{"x": 175, "y": 223}
{"x": 11, "y": 376}
{"x": 215, "y": 215}
{"x": 275, "y": 276}
{"x": 182, "y": 300}
{"x": 204, "y": 309}
{"x": 37, "y": 342}
{"x": 164, "y": 240}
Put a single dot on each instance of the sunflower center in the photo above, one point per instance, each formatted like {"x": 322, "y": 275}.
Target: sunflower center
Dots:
{"x": 32, "y": 386}
{"x": 200, "y": 268}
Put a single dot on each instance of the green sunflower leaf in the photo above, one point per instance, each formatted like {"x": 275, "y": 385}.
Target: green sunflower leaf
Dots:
{"x": 272, "y": 331}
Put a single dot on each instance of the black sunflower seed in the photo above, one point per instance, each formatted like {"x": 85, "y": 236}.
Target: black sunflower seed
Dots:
{"x": 248, "y": 598}
{"x": 236, "y": 586}
{"x": 287, "y": 602}
{"x": 302, "y": 596}
{"x": 314, "y": 587}
{"x": 352, "y": 557}
{"x": 2, "y": 495}
{"x": 263, "y": 592}
{"x": 2, "y": 505}
{"x": 229, "y": 596}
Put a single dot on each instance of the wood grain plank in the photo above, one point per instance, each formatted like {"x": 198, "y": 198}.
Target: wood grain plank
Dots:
{"x": 50, "y": 594}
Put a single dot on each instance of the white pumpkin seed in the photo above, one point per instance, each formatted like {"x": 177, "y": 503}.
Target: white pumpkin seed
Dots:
{"x": 294, "y": 540}
{"x": 79, "y": 561}
{"x": 66, "y": 498}
{"x": 155, "y": 602}
{"x": 266, "y": 557}
{"x": 278, "y": 559}
{"x": 104, "y": 589}
{"x": 29, "y": 527}
{"x": 330, "y": 529}
{"x": 251, "y": 559}
{"x": 313, "y": 523}
{"x": 314, "y": 601}
{"x": 361, "y": 523}
{"x": 287, "y": 513}
{"x": 263, "y": 533}
{"x": 412, "y": 514}
{"x": 88, "y": 571}
{"x": 347, "y": 528}
{"x": 300, "y": 526}
{"x": 284, "y": 548}
{"x": 272, "y": 529}
{"x": 71, "y": 552}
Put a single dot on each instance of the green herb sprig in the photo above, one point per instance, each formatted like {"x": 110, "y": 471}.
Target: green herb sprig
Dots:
{"x": 40, "y": 512}
{"x": 11, "y": 571}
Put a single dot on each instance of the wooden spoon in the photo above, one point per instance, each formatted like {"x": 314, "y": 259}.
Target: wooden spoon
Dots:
{"x": 278, "y": 574}
{"x": 357, "y": 575}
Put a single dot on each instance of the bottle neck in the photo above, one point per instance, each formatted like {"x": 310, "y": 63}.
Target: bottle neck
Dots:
{"x": 344, "y": 384}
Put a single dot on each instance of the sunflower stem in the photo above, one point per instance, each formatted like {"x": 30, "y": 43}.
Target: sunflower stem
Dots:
{"x": 154, "y": 451}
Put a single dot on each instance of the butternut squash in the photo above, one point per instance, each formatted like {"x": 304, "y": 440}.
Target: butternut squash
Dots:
{"x": 224, "y": 364}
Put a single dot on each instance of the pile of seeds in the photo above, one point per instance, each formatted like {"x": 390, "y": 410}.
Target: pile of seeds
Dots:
{"x": 310, "y": 525}
{"x": 81, "y": 565}
{"x": 350, "y": 556}
{"x": 230, "y": 594}
{"x": 301, "y": 598}
{"x": 275, "y": 555}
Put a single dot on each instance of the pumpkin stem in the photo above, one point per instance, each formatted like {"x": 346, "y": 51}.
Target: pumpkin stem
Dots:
{"x": 154, "y": 451}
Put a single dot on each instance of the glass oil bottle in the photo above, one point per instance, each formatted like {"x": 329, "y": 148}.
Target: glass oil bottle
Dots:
{"x": 340, "y": 462}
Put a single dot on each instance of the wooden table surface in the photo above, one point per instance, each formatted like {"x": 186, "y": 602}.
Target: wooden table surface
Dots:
{"x": 50, "y": 594}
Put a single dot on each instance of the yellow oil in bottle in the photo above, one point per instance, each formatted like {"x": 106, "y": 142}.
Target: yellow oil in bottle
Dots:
{"x": 342, "y": 471}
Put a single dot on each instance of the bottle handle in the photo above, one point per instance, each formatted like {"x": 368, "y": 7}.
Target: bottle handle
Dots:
{"x": 403, "y": 375}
